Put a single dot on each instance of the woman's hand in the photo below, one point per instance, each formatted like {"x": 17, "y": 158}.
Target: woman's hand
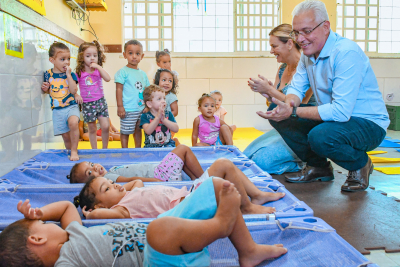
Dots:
{"x": 262, "y": 85}
{"x": 281, "y": 112}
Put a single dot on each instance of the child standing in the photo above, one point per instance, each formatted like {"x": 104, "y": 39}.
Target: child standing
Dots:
{"x": 90, "y": 74}
{"x": 221, "y": 111}
{"x": 167, "y": 81}
{"x": 207, "y": 127}
{"x": 157, "y": 124}
{"x": 163, "y": 59}
{"x": 130, "y": 82}
{"x": 60, "y": 82}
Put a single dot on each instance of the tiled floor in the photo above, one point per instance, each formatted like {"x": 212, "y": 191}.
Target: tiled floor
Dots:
{"x": 391, "y": 185}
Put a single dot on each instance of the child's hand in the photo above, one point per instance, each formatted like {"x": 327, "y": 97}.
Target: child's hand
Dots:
{"x": 94, "y": 65}
{"x": 45, "y": 87}
{"x": 121, "y": 112}
{"x": 78, "y": 99}
{"x": 86, "y": 213}
{"x": 28, "y": 212}
{"x": 68, "y": 70}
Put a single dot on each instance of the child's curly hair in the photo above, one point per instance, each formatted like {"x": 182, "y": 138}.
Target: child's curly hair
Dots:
{"x": 86, "y": 197}
{"x": 148, "y": 92}
{"x": 174, "y": 89}
{"x": 101, "y": 58}
{"x": 204, "y": 96}
{"x": 161, "y": 53}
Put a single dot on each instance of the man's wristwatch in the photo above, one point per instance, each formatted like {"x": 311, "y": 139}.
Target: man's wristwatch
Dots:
{"x": 294, "y": 115}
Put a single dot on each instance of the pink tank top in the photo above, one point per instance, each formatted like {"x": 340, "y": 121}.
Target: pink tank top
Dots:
{"x": 209, "y": 132}
{"x": 149, "y": 202}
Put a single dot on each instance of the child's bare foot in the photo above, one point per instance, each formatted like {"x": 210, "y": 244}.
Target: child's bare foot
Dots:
{"x": 74, "y": 156}
{"x": 177, "y": 143}
{"x": 264, "y": 197}
{"x": 257, "y": 209}
{"x": 228, "y": 207}
{"x": 261, "y": 253}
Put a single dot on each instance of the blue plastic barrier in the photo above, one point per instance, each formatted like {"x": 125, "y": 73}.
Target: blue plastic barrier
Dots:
{"x": 132, "y": 155}
{"x": 10, "y": 195}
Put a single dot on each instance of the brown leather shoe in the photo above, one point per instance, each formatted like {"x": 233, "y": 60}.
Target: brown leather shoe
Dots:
{"x": 358, "y": 180}
{"x": 311, "y": 174}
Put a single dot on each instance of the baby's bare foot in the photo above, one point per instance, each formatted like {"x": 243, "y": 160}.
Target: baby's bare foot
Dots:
{"x": 74, "y": 156}
{"x": 228, "y": 207}
{"x": 261, "y": 253}
{"x": 264, "y": 197}
{"x": 257, "y": 209}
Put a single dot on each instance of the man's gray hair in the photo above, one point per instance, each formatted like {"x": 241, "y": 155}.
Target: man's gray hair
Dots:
{"x": 316, "y": 6}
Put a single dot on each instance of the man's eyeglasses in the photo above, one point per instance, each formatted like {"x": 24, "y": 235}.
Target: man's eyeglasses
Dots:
{"x": 295, "y": 34}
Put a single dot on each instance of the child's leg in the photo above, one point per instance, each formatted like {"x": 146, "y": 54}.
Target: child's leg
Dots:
{"x": 124, "y": 140}
{"x": 67, "y": 140}
{"x": 233, "y": 127}
{"x": 225, "y": 169}
{"x": 228, "y": 221}
{"x": 92, "y": 134}
{"x": 225, "y": 135}
{"x": 105, "y": 130}
{"x": 138, "y": 135}
{"x": 191, "y": 165}
{"x": 74, "y": 135}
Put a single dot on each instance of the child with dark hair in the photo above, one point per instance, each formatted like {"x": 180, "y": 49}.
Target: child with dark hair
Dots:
{"x": 90, "y": 76}
{"x": 130, "y": 82}
{"x": 207, "y": 127}
{"x": 157, "y": 124}
{"x": 60, "y": 82}
{"x": 169, "y": 169}
{"x": 167, "y": 81}
{"x": 175, "y": 239}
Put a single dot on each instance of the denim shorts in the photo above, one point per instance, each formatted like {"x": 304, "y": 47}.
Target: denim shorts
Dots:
{"x": 61, "y": 116}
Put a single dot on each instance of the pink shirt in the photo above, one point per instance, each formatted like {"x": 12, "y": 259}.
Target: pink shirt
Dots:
{"x": 149, "y": 202}
{"x": 91, "y": 86}
{"x": 209, "y": 132}
{"x": 220, "y": 112}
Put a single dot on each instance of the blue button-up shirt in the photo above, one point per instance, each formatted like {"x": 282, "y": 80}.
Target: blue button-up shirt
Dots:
{"x": 343, "y": 83}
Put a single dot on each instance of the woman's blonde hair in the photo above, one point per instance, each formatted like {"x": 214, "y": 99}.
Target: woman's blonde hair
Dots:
{"x": 283, "y": 33}
{"x": 101, "y": 58}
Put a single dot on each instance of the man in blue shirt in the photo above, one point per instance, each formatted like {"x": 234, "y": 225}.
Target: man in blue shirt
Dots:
{"x": 351, "y": 117}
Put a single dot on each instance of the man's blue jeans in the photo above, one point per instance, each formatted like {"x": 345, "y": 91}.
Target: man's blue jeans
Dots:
{"x": 345, "y": 143}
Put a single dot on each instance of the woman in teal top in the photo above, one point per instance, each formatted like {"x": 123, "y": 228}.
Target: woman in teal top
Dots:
{"x": 269, "y": 151}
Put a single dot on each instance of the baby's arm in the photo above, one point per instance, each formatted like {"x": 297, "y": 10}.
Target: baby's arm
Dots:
{"x": 102, "y": 213}
{"x": 195, "y": 132}
{"x": 173, "y": 126}
{"x": 221, "y": 121}
{"x": 104, "y": 74}
{"x": 45, "y": 87}
{"x": 73, "y": 88}
{"x": 120, "y": 105}
{"x": 174, "y": 108}
{"x": 63, "y": 211}
{"x": 149, "y": 128}
{"x": 122, "y": 179}
{"x": 133, "y": 184}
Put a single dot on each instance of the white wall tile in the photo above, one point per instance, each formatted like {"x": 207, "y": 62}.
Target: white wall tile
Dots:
{"x": 385, "y": 67}
{"x": 110, "y": 93}
{"x": 192, "y": 112}
{"x": 179, "y": 65}
{"x": 8, "y": 153}
{"x": 149, "y": 65}
{"x": 190, "y": 90}
{"x": 245, "y": 116}
{"x": 181, "y": 118}
{"x": 32, "y": 142}
{"x": 15, "y": 103}
{"x": 381, "y": 84}
{"x": 52, "y": 142}
{"x": 392, "y": 86}
{"x": 209, "y": 68}
{"x": 234, "y": 91}
{"x": 250, "y": 67}
{"x": 115, "y": 120}
{"x": 114, "y": 62}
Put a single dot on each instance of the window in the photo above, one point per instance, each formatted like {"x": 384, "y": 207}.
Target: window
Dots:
{"x": 389, "y": 26}
{"x": 358, "y": 20}
{"x": 201, "y": 26}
